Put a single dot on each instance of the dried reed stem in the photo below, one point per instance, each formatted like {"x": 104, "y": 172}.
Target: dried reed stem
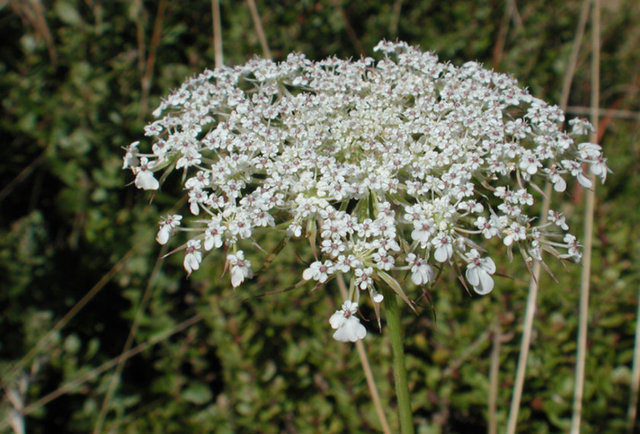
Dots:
{"x": 588, "y": 227}
{"x": 257, "y": 22}
{"x": 368, "y": 373}
{"x": 217, "y": 33}
{"x": 526, "y": 335}
{"x": 535, "y": 278}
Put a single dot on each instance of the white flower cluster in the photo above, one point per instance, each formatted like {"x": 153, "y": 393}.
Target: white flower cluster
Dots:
{"x": 404, "y": 163}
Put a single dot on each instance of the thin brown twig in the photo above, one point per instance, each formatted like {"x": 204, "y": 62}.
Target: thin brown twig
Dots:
{"x": 140, "y": 36}
{"x": 573, "y": 57}
{"x": 588, "y": 228}
{"x": 151, "y": 58}
{"x": 515, "y": 15}
{"x": 113, "y": 384}
{"x": 468, "y": 351}
{"x": 24, "y": 174}
{"x": 67, "y": 317}
{"x": 368, "y": 373}
{"x": 604, "y": 112}
{"x": 70, "y": 385}
{"x": 257, "y": 23}
{"x": 349, "y": 28}
{"x": 498, "y": 48}
{"x": 395, "y": 18}
{"x": 217, "y": 33}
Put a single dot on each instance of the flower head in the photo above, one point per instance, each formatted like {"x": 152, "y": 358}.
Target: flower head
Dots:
{"x": 405, "y": 163}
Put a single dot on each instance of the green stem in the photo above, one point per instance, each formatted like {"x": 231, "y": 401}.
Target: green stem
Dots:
{"x": 392, "y": 313}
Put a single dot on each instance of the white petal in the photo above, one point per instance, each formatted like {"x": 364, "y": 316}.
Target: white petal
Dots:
{"x": 237, "y": 276}
{"x": 208, "y": 243}
{"x": 427, "y": 273}
{"x": 360, "y": 330}
{"x": 560, "y": 185}
{"x": 584, "y": 181}
{"x": 350, "y": 306}
{"x": 416, "y": 277}
{"x": 350, "y": 331}
{"x": 146, "y": 181}
{"x": 488, "y": 265}
{"x": 443, "y": 253}
{"x": 163, "y": 235}
{"x": 191, "y": 262}
{"x": 195, "y": 209}
{"x": 472, "y": 275}
{"x": 419, "y": 235}
{"x": 378, "y": 298}
{"x": 337, "y": 319}
{"x": 486, "y": 283}
{"x": 308, "y": 274}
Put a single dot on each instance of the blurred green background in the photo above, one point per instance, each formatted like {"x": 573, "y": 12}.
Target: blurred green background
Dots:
{"x": 78, "y": 81}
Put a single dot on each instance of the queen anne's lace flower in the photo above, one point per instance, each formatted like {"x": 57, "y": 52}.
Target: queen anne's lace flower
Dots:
{"x": 404, "y": 163}
{"x": 166, "y": 228}
{"x": 479, "y": 271}
{"x": 347, "y": 325}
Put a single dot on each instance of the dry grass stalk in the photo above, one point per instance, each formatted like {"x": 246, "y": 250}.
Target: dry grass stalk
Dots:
{"x": 217, "y": 33}
{"x": 535, "y": 273}
{"x": 588, "y": 227}
{"x": 257, "y": 22}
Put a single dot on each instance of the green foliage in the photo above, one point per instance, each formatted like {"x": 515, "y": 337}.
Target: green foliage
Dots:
{"x": 73, "y": 92}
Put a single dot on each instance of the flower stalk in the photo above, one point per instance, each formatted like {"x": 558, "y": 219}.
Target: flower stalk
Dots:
{"x": 392, "y": 311}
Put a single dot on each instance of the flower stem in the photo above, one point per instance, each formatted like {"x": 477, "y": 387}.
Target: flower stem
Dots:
{"x": 392, "y": 311}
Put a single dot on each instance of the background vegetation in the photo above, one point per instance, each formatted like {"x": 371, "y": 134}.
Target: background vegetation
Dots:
{"x": 78, "y": 80}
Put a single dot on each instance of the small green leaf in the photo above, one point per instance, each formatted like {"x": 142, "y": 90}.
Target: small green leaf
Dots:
{"x": 67, "y": 13}
{"x": 197, "y": 394}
